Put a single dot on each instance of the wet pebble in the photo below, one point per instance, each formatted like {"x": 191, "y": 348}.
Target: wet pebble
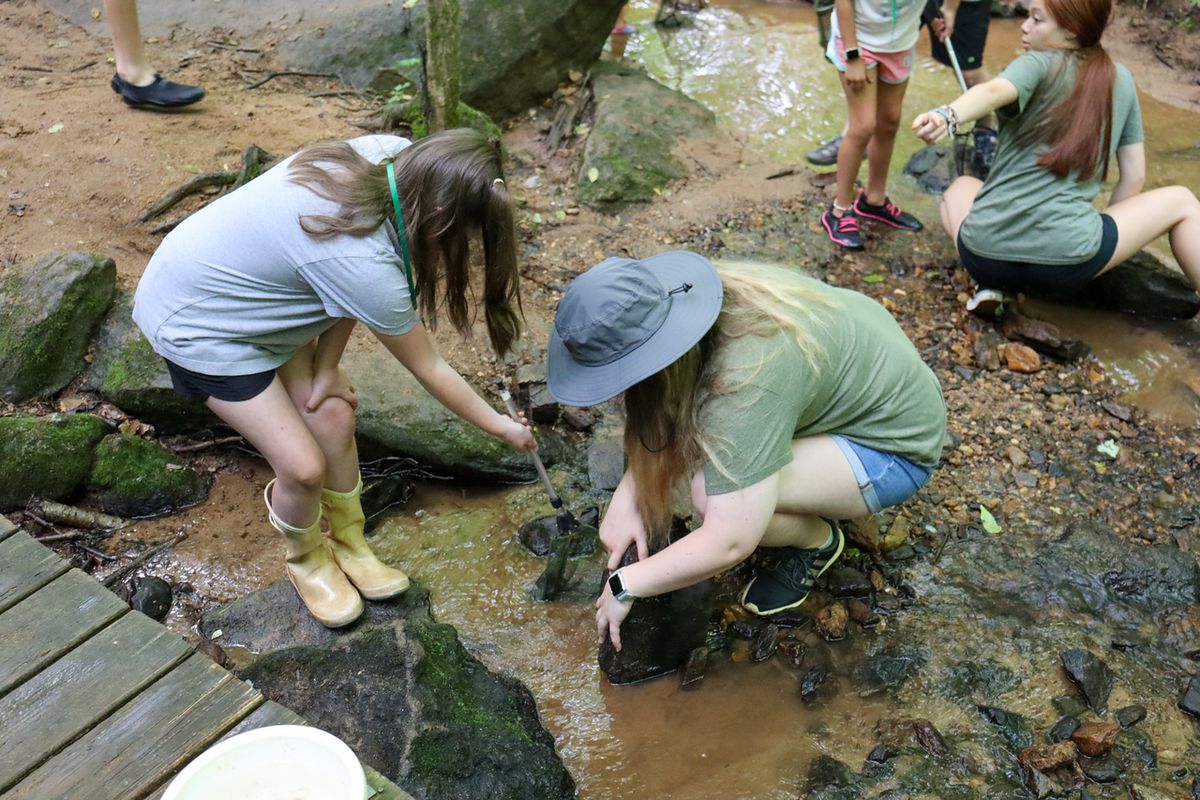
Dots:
{"x": 765, "y": 643}
{"x": 1190, "y": 702}
{"x": 1063, "y": 729}
{"x": 848, "y": 582}
{"x": 1091, "y": 675}
{"x": 811, "y": 683}
{"x": 1102, "y": 770}
{"x": 1140, "y": 792}
{"x": 743, "y": 630}
{"x": 1041, "y": 785}
{"x": 1096, "y": 738}
{"x": 929, "y": 737}
{"x": 151, "y": 596}
{"x": 1046, "y": 757}
{"x": 791, "y": 651}
{"x": 1016, "y": 456}
{"x": 1129, "y": 716}
{"x": 831, "y": 622}
{"x": 694, "y": 668}
{"x": 904, "y": 552}
{"x": 860, "y": 612}
{"x": 879, "y": 754}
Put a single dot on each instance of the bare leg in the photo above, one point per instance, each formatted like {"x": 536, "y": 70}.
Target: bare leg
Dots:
{"x": 128, "y": 52}
{"x": 956, "y": 203}
{"x": 270, "y": 423}
{"x": 860, "y": 127}
{"x": 331, "y": 425}
{"x": 888, "y": 102}
{"x": 818, "y": 483}
{"x": 1144, "y": 217}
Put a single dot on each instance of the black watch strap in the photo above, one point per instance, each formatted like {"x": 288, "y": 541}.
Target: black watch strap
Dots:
{"x": 852, "y": 54}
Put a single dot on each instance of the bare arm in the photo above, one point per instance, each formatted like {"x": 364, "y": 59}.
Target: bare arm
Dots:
{"x": 1131, "y": 164}
{"x": 976, "y": 103}
{"x": 416, "y": 352}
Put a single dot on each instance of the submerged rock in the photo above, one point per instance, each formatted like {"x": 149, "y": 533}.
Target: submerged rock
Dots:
{"x": 659, "y": 634}
{"x": 1190, "y": 702}
{"x": 1043, "y": 336}
{"x": 1129, "y": 716}
{"x": 399, "y": 688}
{"x": 1096, "y": 738}
{"x": 1063, "y": 729}
{"x": 48, "y": 313}
{"x": 1045, "y": 757}
{"x": 1091, "y": 675}
{"x": 1143, "y": 286}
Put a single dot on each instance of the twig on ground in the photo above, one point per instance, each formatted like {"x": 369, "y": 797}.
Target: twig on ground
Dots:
{"x": 288, "y": 73}
{"x": 119, "y": 575}
{"x": 191, "y": 448}
{"x": 168, "y": 226}
{"x": 83, "y": 66}
{"x": 254, "y": 161}
{"x": 30, "y": 68}
{"x": 91, "y": 551}
{"x": 74, "y": 517}
{"x": 783, "y": 173}
{"x": 59, "y": 537}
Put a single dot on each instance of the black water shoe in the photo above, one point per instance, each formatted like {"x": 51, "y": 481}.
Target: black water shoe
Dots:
{"x": 787, "y": 584}
{"x": 825, "y": 155}
{"x": 842, "y": 230}
{"x": 889, "y": 214}
{"x": 161, "y": 93}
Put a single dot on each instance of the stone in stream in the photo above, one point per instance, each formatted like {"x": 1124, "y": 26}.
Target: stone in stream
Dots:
{"x": 1096, "y": 738}
{"x": 1063, "y": 729}
{"x": 1091, "y": 675}
{"x": 765, "y": 643}
{"x": 831, "y": 621}
{"x": 1142, "y": 286}
{"x": 1101, "y": 770}
{"x": 694, "y": 668}
{"x": 791, "y": 652}
{"x": 1043, "y": 336}
{"x": 987, "y": 348}
{"x": 830, "y": 779}
{"x": 152, "y": 596}
{"x": 847, "y": 582}
{"x": 812, "y": 682}
{"x": 1040, "y": 784}
{"x": 1190, "y": 702}
{"x": 606, "y": 462}
{"x": 887, "y": 667}
{"x": 135, "y": 477}
{"x": 928, "y": 737}
{"x": 537, "y": 534}
{"x": 1020, "y": 358}
{"x": 380, "y": 494}
{"x": 1069, "y": 705}
{"x": 1141, "y": 792}
{"x": 1046, "y": 757}
{"x": 1012, "y": 726}
{"x": 1129, "y": 716}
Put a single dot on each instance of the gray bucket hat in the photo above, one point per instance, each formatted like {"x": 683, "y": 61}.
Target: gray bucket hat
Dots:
{"x": 624, "y": 320}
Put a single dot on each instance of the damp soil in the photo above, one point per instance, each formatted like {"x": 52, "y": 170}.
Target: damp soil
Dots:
{"x": 1024, "y": 446}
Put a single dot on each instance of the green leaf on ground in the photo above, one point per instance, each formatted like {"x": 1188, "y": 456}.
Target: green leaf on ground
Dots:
{"x": 537, "y": 218}
{"x": 55, "y": 128}
{"x": 1109, "y": 448}
{"x": 874, "y": 277}
{"x": 593, "y": 174}
{"x": 989, "y": 522}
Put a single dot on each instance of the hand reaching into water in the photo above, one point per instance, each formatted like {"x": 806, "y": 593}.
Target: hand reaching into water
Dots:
{"x": 610, "y": 613}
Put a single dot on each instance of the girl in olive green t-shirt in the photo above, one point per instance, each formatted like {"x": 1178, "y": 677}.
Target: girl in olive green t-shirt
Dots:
{"x": 1066, "y": 110}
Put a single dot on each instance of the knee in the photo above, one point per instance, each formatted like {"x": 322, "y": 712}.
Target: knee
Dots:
{"x": 887, "y": 124}
{"x": 304, "y": 470}
{"x": 333, "y": 420}
{"x": 861, "y": 129}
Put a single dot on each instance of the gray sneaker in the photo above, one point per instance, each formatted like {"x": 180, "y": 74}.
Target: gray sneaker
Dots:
{"x": 825, "y": 155}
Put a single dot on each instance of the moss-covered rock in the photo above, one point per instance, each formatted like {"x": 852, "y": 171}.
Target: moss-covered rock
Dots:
{"x": 399, "y": 688}
{"x": 47, "y": 457}
{"x": 48, "y": 313}
{"x": 134, "y": 477}
{"x": 629, "y": 150}
{"x": 130, "y": 375}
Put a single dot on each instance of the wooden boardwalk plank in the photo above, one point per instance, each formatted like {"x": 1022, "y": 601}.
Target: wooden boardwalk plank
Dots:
{"x": 6, "y": 528}
{"x": 48, "y": 711}
{"x": 25, "y": 567}
{"x": 271, "y": 713}
{"x": 155, "y": 733}
{"x": 50, "y": 622}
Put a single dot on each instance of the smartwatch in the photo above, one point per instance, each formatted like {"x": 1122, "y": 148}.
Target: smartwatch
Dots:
{"x": 616, "y": 585}
{"x": 852, "y": 54}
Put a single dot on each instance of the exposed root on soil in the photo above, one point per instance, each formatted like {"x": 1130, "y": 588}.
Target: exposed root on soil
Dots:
{"x": 254, "y": 161}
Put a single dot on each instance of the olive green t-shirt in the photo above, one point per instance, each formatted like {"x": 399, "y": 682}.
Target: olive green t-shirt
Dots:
{"x": 1023, "y": 212}
{"x": 869, "y": 384}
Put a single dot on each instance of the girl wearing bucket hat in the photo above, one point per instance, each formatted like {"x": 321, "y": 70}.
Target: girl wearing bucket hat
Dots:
{"x": 787, "y": 403}
{"x": 252, "y": 299}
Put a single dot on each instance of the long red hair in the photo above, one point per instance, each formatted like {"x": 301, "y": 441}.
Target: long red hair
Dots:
{"x": 1088, "y": 110}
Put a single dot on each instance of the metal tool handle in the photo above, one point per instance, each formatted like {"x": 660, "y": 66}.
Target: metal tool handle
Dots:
{"x": 537, "y": 461}
{"x": 958, "y": 73}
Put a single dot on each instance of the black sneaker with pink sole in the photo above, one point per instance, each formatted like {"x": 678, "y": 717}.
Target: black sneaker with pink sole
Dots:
{"x": 889, "y": 214}
{"x": 842, "y": 230}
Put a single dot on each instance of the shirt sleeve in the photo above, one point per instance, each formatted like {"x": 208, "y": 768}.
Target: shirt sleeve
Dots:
{"x": 370, "y": 290}
{"x": 1025, "y": 72}
{"x": 1132, "y": 132}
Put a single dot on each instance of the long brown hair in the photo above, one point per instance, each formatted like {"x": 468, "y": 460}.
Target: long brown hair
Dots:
{"x": 1073, "y": 125}
{"x": 663, "y": 438}
{"x": 451, "y": 185}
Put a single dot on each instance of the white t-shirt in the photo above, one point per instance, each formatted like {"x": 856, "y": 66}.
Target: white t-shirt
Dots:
{"x": 884, "y": 26}
{"x": 239, "y": 287}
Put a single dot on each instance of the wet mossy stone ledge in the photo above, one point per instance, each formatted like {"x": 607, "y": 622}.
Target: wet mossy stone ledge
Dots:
{"x": 49, "y": 310}
{"x": 399, "y": 688}
{"x": 48, "y": 457}
{"x": 629, "y": 157}
{"x": 134, "y": 477}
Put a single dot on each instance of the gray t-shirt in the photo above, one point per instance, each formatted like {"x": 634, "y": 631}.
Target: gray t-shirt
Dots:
{"x": 238, "y": 287}
{"x": 1023, "y": 212}
{"x": 870, "y": 385}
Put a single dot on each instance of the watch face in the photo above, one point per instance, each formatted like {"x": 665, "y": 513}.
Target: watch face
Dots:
{"x": 615, "y": 585}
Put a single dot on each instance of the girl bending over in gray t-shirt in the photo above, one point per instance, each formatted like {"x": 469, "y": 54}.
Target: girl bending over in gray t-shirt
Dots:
{"x": 252, "y": 299}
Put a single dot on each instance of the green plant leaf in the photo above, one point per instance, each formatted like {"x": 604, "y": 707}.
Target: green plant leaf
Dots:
{"x": 989, "y": 522}
{"x": 1109, "y": 448}
{"x": 874, "y": 277}
{"x": 593, "y": 175}
{"x": 537, "y": 218}
{"x": 55, "y": 128}
{"x": 560, "y": 214}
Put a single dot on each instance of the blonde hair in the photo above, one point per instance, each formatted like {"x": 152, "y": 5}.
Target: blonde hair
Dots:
{"x": 451, "y": 187}
{"x": 664, "y": 442}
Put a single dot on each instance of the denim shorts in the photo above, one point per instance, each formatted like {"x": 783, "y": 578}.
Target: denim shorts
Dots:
{"x": 884, "y": 479}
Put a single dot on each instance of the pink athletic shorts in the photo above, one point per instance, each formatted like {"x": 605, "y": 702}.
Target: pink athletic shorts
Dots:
{"x": 892, "y": 67}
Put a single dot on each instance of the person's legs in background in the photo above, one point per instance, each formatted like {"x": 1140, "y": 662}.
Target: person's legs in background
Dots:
{"x": 135, "y": 79}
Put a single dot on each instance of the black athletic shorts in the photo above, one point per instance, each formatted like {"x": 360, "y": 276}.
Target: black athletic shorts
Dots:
{"x": 233, "y": 388}
{"x": 1041, "y": 280}
{"x": 969, "y": 36}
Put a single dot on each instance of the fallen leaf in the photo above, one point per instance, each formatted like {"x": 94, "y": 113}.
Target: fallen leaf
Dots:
{"x": 55, "y": 128}
{"x": 593, "y": 175}
{"x": 537, "y": 218}
{"x": 989, "y": 522}
{"x": 1109, "y": 448}
{"x": 874, "y": 277}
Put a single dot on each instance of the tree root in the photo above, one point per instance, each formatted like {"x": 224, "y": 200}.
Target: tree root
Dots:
{"x": 254, "y": 161}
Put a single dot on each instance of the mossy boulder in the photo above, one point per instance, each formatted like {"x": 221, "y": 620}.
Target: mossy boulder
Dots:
{"x": 396, "y": 416}
{"x": 130, "y": 375}
{"x": 134, "y": 477}
{"x": 399, "y": 688}
{"x": 638, "y": 124}
{"x": 48, "y": 457}
{"x": 48, "y": 313}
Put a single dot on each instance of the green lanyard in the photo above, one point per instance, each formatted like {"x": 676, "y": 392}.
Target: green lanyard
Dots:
{"x": 412, "y": 289}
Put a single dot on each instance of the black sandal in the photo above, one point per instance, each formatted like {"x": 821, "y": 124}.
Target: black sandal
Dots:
{"x": 161, "y": 93}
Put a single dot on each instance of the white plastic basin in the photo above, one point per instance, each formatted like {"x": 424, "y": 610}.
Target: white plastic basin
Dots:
{"x": 281, "y": 762}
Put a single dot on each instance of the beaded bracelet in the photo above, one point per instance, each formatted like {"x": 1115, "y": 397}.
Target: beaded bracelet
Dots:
{"x": 941, "y": 112}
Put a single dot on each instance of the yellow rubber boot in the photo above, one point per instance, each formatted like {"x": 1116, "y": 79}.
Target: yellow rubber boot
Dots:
{"x": 321, "y": 585}
{"x": 374, "y": 579}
